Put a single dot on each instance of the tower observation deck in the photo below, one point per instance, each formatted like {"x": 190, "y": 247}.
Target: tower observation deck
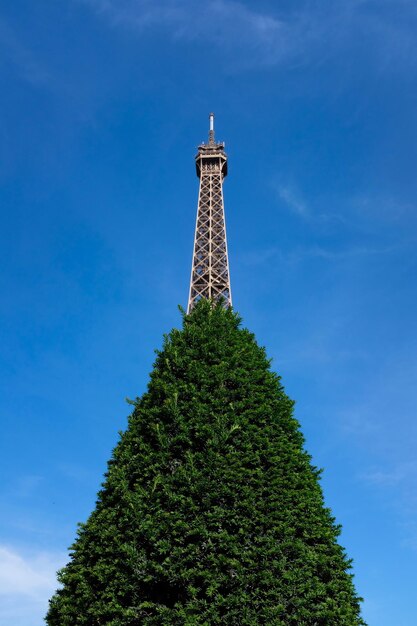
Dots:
{"x": 210, "y": 265}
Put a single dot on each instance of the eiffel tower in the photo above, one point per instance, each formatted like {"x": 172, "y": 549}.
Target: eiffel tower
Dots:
{"x": 210, "y": 265}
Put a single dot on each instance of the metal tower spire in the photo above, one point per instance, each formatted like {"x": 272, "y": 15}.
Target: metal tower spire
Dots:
{"x": 210, "y": 266}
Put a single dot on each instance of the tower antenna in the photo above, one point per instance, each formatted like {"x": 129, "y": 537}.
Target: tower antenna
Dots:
{"x": 211, "y": 129}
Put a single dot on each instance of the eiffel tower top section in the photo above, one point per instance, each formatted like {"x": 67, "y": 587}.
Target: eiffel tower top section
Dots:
{"x": 211, "y": 152}
{"x": 210, "y": 264}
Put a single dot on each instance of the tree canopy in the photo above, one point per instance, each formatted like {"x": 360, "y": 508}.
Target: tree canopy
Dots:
{"x": 211, "y": 511}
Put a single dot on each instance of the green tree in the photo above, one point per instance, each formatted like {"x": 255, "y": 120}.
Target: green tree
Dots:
{"x": 211, "y": 511}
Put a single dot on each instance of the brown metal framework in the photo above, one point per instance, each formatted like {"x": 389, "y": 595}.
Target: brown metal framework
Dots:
{"x": 210, "y": 266}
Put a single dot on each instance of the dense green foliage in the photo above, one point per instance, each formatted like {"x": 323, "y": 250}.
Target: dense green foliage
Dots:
{"x": 211, "y": 512}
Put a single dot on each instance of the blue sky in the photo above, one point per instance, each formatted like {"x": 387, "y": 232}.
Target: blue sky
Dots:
{"x": 103, "y": 103}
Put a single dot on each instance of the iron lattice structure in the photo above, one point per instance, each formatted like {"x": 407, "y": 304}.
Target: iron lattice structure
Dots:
{"x": 210, "y": 266}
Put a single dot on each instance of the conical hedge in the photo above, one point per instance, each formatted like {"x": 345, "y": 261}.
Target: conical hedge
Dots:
{"x": 211, "y": 512}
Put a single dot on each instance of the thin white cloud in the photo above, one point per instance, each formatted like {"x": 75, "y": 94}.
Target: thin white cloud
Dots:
{"x": 300, "y": 254}
{"x": 373, "y": 422}
{"x": 258, "y": 38}
{"x": 27, "y": 581}
{"x": 398, "y": 486}
{"x": 15, "y": 52}
{"x": 26, "y": 575}
{"x": 365, "y": 211}
{"x": 382, "y": 208}
{"x": 27, "y": 485}
{"x": 349, "y": 252}
{"x": 293, "y": 200}
{"x": 250, "y": 37}
{"x": 400, "y": 474}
